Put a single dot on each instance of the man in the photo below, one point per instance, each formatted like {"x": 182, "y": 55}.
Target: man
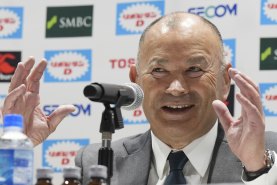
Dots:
{"x": 185, "y": 79}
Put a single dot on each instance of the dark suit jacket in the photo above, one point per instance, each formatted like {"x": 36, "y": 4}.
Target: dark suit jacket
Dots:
{"x": 132, "y": 160}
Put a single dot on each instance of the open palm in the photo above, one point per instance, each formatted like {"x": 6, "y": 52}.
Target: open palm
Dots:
{"x": 24, "y": 99}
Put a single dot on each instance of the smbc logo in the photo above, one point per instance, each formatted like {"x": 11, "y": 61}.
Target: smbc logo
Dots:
{"x": 214, "y": 11}
{"x": 70, "y": 22}
{"x": 73, "y": 21}
{"x": 268, "y": 52}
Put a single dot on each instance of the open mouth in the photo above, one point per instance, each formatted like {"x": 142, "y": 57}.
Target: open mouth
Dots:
{"x": 177, "y": 108}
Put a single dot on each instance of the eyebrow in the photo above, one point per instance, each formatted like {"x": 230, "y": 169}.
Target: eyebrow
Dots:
{"x": 157, "y": 61}
{"x": 194, "y": 60}
{"x": 197, "y": 60}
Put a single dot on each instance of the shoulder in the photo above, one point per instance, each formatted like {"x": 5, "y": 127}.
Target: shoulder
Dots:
{"x": 118, "y": 146}
{"x": 88, "y": 155}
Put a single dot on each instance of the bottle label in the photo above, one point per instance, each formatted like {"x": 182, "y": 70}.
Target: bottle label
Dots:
{"x": 16, "y": 167}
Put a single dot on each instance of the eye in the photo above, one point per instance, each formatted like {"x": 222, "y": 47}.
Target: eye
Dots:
{"x": 159, "y": 72}
{"x": 194, "y": 72}
{"x": 194, "y": 69}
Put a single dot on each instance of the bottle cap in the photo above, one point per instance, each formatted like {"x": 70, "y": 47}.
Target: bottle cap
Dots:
{"x": 99, "y": 171}
{"x": 45, "y": 173}
{"x": 13, "y": 120}
{"x": 72, "y": 172}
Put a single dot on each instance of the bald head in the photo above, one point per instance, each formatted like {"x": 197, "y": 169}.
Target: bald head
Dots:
{"x": 180, "y": 21}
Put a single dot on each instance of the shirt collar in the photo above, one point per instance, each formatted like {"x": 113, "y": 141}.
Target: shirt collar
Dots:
{"x": 199, "y": 152}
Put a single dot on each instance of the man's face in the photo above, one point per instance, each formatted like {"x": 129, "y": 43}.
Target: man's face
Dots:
{"x": 179, "y": 74}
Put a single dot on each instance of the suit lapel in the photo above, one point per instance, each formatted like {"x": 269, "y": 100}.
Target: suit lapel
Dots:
{"x": 225, "y": 166}
{"x": 134, "y": 165}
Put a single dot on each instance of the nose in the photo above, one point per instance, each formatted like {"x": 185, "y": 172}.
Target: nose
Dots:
{"x": 176, "y": 88}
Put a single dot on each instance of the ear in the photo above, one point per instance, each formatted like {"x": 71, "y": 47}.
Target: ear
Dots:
{"x": 226, "y": 82}
{"x": 133, "y": 73}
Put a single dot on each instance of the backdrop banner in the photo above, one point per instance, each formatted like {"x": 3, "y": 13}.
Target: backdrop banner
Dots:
{"x": 89, "y": 41}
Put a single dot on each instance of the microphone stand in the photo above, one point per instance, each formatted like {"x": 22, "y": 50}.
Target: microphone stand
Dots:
{"x": 111, "y": 120}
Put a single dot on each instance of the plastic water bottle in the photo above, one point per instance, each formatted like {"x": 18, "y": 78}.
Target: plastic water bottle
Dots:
{"x": 16, "y": 153}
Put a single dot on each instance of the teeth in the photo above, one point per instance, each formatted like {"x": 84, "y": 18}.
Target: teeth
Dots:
{"x": 177, "y": 106}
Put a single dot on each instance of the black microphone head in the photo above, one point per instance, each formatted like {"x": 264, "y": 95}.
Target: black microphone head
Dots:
{"x": 138, "y": 94}
{"x": 93, "y": 91}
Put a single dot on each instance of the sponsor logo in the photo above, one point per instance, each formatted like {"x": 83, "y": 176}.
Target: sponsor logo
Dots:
{"x": 268, "y": 53}
{"x": 80, "y": 109}
{"x": 70, "y": 21}
{"x": 268, "y": 12}
{"x": 214, "y": 11}
{"x": 8, "y": 63}
{"x": 230, "y": 51}
{"x": 11, "y": 21}
{"x": 68, "y": 66}
{"x": 122, "y": 63}
{"x": 269, "y": 98}
{"x": 134, "y": 117}
{"x": 133, "y": 18}
{"x": 58, "y": 154}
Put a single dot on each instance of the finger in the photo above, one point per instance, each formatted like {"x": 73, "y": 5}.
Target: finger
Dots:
{"x": 244, "y": 114}
{"x": 22, "y": 71}
{"x": 248, "y": 90}
{"x": 12, "y": 98}
{"x": 31, "y": 104}
{"x": 254, "y": 115}
{"x": 58, "y": 115}
{"x": 245, "y": 87}
{"x": 17, "y": 78}
{"x": 35, "y": 76}
{"x": 233, "y": 72}
{"x": 223, "y": 114}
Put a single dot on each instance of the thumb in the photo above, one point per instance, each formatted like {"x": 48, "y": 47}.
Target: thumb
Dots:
{"x": 58, "y": 115}
{"x": 223, "y": 114}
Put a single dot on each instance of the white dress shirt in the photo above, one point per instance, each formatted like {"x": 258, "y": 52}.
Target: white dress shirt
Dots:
{"x": 196, "y": 170}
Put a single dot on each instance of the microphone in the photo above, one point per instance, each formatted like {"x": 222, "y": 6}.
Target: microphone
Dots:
{"x": 130, "y": 95}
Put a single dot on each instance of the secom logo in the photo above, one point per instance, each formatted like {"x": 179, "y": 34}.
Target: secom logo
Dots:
{"x": 71, "y": 21}
{"x": 133, "y": 18}
{"x": 11, "y": 21}
{"x": 58, "y": 154}
{"x": 68, "y": 65}
{"x": 269, "y": 98}
{"x": 80, "y": 109}
{"x": 230, "y": 51}
{"x": 213, "y": 11}
{"x": 268, "y": 12}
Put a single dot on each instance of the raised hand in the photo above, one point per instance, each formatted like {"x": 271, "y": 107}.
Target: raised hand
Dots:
{"x": 245, "y": 135}
{"x": 23, "y": 98}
